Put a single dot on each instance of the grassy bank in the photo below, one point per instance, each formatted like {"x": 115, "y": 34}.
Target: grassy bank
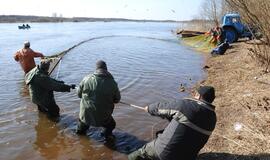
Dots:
{"x": 242, "y": 107}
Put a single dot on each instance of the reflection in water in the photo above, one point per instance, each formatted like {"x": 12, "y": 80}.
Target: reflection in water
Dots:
{"x": 24, "y": 92}
{"x": 54, "y": 140}
{"x": 125, "y": 143}
{"x": 87, "y": 151}
{"x": 47, "y": 140}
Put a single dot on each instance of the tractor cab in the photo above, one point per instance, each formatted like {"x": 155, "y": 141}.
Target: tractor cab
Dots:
{"x": 234, "y": 28}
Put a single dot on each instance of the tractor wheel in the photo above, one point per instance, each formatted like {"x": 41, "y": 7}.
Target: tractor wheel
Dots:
{"x": 230, "y": 35}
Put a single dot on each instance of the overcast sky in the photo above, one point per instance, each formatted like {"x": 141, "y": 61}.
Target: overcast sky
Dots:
{"x": 133, "y": 9}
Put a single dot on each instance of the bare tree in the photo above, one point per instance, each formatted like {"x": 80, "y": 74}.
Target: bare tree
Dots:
{"x": 54, "y": 14}
{"x": 210, "y": 10}
{"x": 213, "y": 10}
{"x": 256, "y": 13}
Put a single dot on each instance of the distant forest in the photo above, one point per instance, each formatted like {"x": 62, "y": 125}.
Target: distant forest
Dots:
{"x": 28, "y": 19}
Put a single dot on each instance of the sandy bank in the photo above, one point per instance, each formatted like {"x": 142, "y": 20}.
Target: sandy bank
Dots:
{"x": 243, "y": 107}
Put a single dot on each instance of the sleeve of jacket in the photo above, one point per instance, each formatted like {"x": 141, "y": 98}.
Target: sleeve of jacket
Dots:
{"x": 117, "y": 96}
{"x": 80, "y": 89}
{"x": 163, "y": 109}
{"x": 52, "y": 84}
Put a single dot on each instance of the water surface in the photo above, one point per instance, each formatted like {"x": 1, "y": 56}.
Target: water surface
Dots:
{"x": 146, "y": 60}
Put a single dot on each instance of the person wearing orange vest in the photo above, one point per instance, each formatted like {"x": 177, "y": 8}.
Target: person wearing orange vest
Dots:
{"x": 26, "y": 57}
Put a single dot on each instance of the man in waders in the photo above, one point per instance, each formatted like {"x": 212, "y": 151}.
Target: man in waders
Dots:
{"x": 26, "y": 57}
{"x": 98, "y": 93}
{"x": 191, "y": 123}
{"x": 41, "y": 87}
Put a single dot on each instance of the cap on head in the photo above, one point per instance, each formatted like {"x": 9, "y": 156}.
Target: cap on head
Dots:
{"x": 26, "y": 44}
{"x": 101, "y": 65}
{"x": 45, "y": 65}
{"x": 207, "y": 93}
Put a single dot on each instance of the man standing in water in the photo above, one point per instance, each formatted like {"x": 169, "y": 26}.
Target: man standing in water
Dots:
{"x": 41, "y": 88}
{"x": 191, "y": 123}
{"x": 98, "y": 93}
{"x": 26, "y": 57}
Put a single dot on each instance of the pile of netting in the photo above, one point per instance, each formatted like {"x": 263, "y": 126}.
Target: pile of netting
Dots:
{"x": 203, "y": 43}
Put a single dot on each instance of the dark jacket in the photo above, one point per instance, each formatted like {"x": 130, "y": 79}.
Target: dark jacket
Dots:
{"x": 191, "y": 123}
{"x": 41, "y": 87}
{"x": 98, "y": 93}
{"x": 221, "y": 49}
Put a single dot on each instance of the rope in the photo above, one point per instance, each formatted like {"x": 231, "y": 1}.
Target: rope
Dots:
{"x": 61, "y": 54}
{"x": 132, "y": 105}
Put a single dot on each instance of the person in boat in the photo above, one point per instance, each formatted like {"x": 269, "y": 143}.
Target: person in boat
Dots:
{"x": 41, "y": 88}
{"x": 98, "y": 92}
{"x": 191, "y": 123}
{"x": 27, "y": 26}
{"x": 25, "y": 57}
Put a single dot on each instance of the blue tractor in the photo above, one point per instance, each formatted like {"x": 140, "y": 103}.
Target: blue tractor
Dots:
{"x": 233, "y": 28}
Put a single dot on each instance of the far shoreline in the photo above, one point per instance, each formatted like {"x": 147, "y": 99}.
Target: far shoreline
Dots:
{"x": 42, "y": 19}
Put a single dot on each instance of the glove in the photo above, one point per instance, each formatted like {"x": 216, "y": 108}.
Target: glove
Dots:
{"x": 72, "y": 86}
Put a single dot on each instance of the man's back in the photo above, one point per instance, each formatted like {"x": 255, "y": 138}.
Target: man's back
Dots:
{"x": 41, "y": 86}
{"x": 178, "y": 138}
{"x": 26, "y": 58}
{"x": 99, "y": 92}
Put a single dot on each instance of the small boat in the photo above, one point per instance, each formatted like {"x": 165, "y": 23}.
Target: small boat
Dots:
{"x": 187, "y": 33}
{"x": 24, "y": 27}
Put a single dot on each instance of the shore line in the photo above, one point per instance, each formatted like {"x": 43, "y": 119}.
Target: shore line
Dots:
{"x": 242, "y": 106}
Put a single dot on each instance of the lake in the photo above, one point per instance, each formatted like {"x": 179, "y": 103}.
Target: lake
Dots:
{"x": 146, "y": 59}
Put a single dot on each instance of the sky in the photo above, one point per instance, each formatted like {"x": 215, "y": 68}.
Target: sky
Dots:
{"x": 131, "y": 9}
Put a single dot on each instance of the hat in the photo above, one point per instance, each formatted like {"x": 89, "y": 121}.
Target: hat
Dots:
{"x": 26, "y": 44}
{"x": 101, "y": 65}
{"x": 207, "y": 93}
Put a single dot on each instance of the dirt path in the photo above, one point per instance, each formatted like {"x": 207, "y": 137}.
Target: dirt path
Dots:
{"x": 243, "y": 107}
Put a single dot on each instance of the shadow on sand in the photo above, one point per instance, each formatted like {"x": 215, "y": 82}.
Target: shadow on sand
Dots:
{"x": 227, "y": 156}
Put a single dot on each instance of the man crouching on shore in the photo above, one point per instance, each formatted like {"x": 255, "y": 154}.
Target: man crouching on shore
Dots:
{"x": 191, "y": 123}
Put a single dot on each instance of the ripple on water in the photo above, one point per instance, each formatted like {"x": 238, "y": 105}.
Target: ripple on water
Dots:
{"x": 147, "y": 68}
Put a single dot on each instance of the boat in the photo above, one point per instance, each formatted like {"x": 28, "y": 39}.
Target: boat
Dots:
{"x": 189, "y": 33}
{"x": 24, "y": 27}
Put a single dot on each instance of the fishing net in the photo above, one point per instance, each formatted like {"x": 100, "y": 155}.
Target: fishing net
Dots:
{"x": 201, "y": 43}
{"x": 57, "y": 57}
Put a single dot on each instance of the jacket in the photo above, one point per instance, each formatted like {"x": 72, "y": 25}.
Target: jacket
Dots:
{"x": 221, "y": 49}
{"x": 41, "y": 87}
{"x": 191, "y": 124}
{"x": 98, "y": 93}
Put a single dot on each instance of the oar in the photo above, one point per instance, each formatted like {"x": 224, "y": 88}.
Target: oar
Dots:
{"x": 132, "y": 105}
